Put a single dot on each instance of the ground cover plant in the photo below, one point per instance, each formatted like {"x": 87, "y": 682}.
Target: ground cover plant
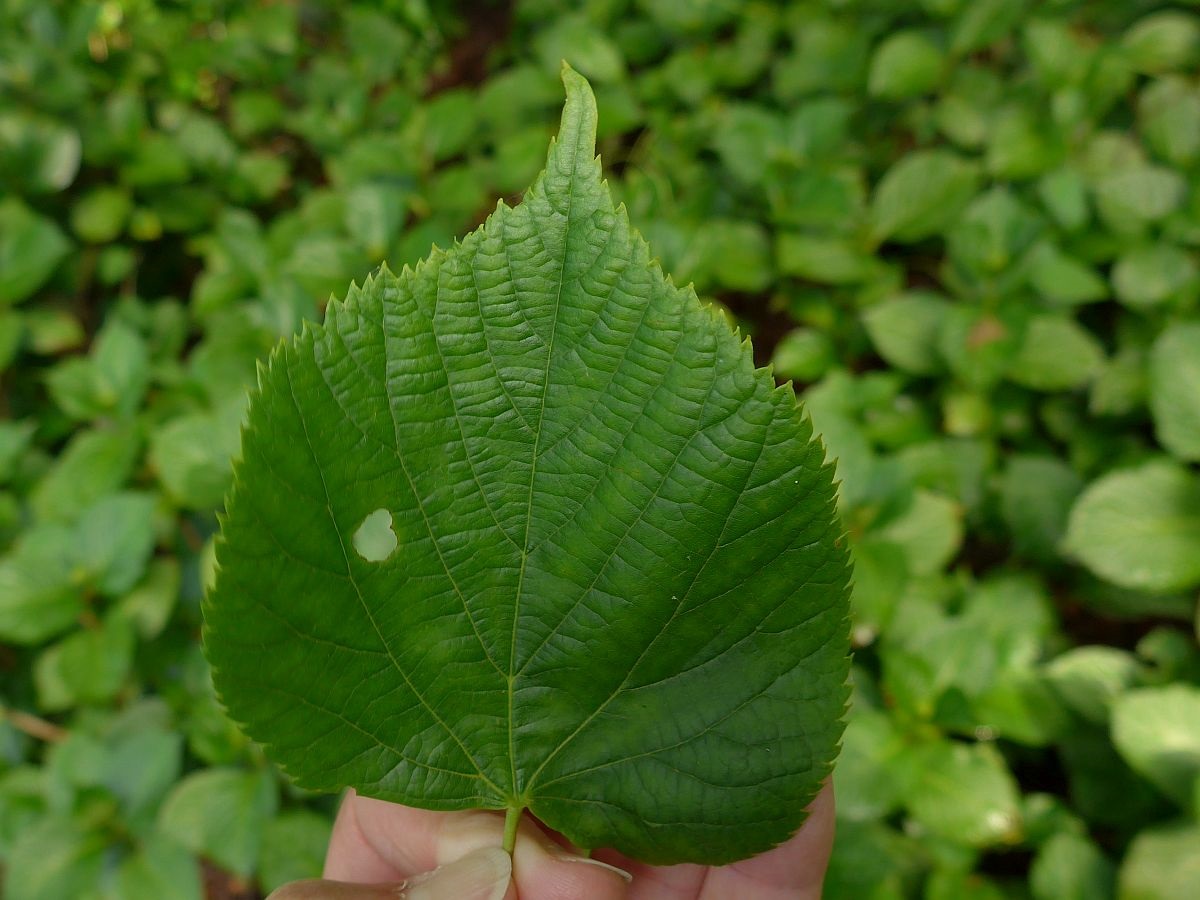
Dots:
{"x": 966, "y": 231}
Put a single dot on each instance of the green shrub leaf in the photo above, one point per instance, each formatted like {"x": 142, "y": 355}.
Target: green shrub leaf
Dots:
{"x": 1157, "y": 730}
{"x": 617, "y": 595}
{"x": 1140, "y": 528}
{"x": 1175, "y": 389}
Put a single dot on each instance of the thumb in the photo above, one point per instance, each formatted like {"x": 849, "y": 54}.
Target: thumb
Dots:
{"x": 480, "y": 875}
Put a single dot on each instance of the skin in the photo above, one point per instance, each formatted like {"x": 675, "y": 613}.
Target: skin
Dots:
{"x": 383, "y": 850}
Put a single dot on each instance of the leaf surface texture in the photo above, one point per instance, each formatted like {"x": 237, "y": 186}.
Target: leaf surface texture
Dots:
{"x": 616, "y": 594}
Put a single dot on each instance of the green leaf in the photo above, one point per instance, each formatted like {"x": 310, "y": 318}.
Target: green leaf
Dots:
{"x": 1036, "y": 493}
{"x": 1130, "y": 198}
{"x": 1071, "y": 867}
{"x": 148, "y": 606}
{"x": 14, "y": 441}
{"x": 965, "y": 794}
{"x": 866, "y": 774}
{"x": 747, "y": 139}
{"x": 904, "y": 330}
{"x": 38, "y": 597}
{"x": 221, "y": 813}
{"x": 1121, "y": 386}
{"x": 1020, "y": 145}
{"x": 89, "y": 666}
{"x": 921, "y": 195}
{"x": 584, "y": 473}
{"x": 574, "y": 38}
{"x": 100, "y": 215}
{"x": 1169, "y": 118}
{"x": 804, "y": 354}
{"x": 113, "y": 541}
{"x": 374, "y": 214}
{"x": 111, "y": 380}
{"x": 31, "y": 247}
{"x": 53, "y": 859}
{"x": 1175, "y": 389}
{"x": 1061, "y": 278}
{"x": 734, "y": 255}
{"x": 94, "y": 464}
{"x": 293, "y": 847}
{"x": 1162, "y": 863}
{"x": 872, "y": 860}
{"x": 159, "y": 870}
{"x": 191, "y": 455}
{"x": 1152, "y": 274}
{"x": 1064, "y": 194}
{"x": 905, "y": 64}
{"x": 141, "y": 766}
{"x": 1164, "y": 41}
{"x": 880, "y": 574}
{"x": 993, "y": 230}
{"x": 929, "y": 530}
{"x": 1140, "y": 527}
{"x": 1157, "y": 730}
{"x": 1056, "y": 354}
{"x": 983, "y": 22}
{"x": 826, "y": 260}
{"x": 1090, "y": 679}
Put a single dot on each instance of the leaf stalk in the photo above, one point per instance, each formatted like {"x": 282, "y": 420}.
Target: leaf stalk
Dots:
{"x": 512, "y": 818}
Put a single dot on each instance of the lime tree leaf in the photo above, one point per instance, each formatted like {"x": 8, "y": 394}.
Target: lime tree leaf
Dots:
{"x": 1175, "y": 389}
{"x": 1157, "y": 730}
{"x": 617, "y": 595}
{"x": 1140, "y": 528}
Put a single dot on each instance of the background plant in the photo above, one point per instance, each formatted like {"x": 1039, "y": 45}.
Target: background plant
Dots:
{"x": 967, "y": 231}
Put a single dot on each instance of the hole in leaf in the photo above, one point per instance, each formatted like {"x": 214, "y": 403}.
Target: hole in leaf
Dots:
{"x": 374, "y": 540}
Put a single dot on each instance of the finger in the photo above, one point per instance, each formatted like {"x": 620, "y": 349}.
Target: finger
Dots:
{"x": 482, "y": 875}
{"x": 374, "y": 840}
{"x": 544, "y": 870}
{"x": 377, "y": 841}
{"x": 794, "y": 870}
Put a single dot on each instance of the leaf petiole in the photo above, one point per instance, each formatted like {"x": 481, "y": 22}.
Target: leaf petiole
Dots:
{"x": 512, "y": 818}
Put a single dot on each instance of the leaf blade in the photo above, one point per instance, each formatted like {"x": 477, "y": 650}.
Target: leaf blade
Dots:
{"x": 580, "y": 464}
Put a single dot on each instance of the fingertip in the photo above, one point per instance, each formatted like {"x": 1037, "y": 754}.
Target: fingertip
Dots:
{"x": 543, "y": 869}
{"x": 483, "y": 874}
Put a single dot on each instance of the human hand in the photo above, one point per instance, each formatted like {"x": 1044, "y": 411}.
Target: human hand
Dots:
{"x": 383, "y": 850}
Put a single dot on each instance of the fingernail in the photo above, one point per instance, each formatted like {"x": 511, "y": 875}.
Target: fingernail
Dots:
{"x": 563, "y": 856}
{"x": 481, "y": 875}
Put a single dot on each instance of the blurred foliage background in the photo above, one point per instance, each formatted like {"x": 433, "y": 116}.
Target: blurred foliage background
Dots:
{"x": 967, "y": 230}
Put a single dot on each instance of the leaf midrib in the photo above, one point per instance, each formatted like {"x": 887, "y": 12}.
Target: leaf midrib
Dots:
{"x": 537, "y": 439}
